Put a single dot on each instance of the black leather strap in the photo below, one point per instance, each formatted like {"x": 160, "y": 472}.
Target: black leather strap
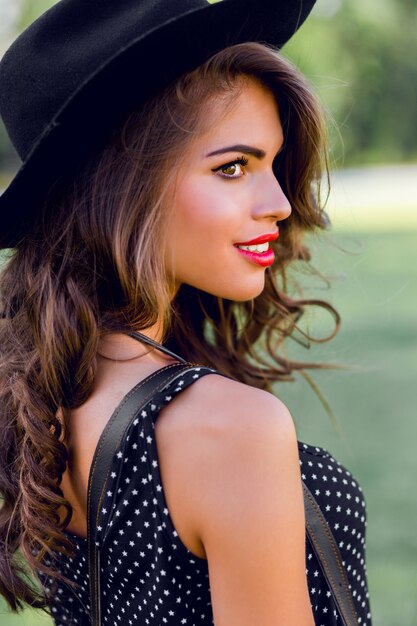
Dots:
{"x": 154, "y": 344}
{"x": 329, "y": 558}
{"x": 108, "y": 443}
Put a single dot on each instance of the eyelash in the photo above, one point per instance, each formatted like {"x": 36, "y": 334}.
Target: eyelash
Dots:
{"x": 240, "y": 161}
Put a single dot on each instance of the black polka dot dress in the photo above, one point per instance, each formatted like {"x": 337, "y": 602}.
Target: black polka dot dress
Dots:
{"x": 150, "y": 578}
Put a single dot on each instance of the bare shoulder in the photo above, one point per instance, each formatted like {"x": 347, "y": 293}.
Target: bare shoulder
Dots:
{"x": 238, "y": 480}
{"x": 215, "y": 401}
{"x": 218, "y": 417}
{"x": 233, "y": 428}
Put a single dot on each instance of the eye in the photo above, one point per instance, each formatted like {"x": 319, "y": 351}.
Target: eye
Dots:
{"x": 231, "y": 167}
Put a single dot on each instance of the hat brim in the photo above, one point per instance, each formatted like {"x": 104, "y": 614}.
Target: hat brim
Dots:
{"x": 155, "y": 59}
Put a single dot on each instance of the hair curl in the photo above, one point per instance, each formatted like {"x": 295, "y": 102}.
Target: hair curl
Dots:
{"x": 90, "y": 266}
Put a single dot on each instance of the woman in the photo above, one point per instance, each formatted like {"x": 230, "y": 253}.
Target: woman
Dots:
{"x": 149, "y": 178}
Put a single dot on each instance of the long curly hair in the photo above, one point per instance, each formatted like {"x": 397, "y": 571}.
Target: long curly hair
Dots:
{"x": 90, "y": 265}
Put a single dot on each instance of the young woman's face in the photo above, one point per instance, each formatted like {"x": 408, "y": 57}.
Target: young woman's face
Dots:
{"x": 219, "y": 202}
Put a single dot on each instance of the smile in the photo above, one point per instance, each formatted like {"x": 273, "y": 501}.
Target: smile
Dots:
{"x": 260, "y": 254}
{"x": 261, "y": 247}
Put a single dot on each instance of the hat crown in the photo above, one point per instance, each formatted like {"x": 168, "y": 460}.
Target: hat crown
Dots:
{"x": 58, "y": 52}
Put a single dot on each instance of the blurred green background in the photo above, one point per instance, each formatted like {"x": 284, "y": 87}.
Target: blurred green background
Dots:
{"x": 361, "y": 59}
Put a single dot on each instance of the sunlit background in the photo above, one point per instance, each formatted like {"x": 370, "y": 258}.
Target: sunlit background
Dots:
{"x": 361, "y": 57}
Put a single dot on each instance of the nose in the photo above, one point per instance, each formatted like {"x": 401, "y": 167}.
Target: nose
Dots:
{"x": 272, "y": 202}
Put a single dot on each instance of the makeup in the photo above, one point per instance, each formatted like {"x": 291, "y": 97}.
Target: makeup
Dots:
{"x": 261, "y": 253}
{"x": 264, "y": 259}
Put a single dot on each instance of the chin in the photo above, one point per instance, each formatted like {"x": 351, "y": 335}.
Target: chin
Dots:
{"x": 237, "y": 293}
{"x": 245, "y": 298}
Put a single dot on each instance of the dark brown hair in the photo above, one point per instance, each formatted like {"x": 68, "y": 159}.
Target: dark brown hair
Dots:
{"x": 89, "y": 266}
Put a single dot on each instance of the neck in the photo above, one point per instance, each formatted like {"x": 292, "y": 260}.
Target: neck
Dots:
{"x": 121, "y": 347}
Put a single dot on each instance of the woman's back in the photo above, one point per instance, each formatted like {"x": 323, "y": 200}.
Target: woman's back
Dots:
{"x": 209, "y": 420}
{"x": 87, "y": 422}
{"x": 224, "y": 484}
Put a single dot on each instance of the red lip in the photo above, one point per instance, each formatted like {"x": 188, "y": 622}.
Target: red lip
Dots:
{"x": 260, "y": 239}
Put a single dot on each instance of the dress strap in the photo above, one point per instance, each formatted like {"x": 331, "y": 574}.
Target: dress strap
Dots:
{"x": 154, "y": 344}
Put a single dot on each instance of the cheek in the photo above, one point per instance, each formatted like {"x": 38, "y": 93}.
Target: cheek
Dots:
{"x": 206, "y": 219}
{"x": 202, "y": 212}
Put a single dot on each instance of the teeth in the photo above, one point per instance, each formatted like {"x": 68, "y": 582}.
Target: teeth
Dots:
{"x": 262, "y": 247}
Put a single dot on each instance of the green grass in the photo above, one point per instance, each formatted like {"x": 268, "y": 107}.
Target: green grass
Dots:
{"x": 26, "y": 618}
{"x": 375, "y": 400}
{"x": 375, "y": 289}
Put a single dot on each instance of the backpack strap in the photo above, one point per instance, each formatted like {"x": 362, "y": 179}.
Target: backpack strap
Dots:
{"x": 112, "y": 435}
{"x": 329, "y": 558}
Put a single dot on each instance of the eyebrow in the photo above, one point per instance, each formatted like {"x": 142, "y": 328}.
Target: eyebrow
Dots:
{"x": 256, "y": 152}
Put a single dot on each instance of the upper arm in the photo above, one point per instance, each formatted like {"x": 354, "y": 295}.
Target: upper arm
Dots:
{"x": 250, "y": 514}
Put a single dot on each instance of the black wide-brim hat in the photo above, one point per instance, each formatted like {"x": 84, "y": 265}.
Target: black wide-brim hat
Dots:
{"x": 73, "y": 74}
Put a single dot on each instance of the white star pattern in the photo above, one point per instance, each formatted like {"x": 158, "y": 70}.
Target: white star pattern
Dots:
{"x": 150, "y": 577}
